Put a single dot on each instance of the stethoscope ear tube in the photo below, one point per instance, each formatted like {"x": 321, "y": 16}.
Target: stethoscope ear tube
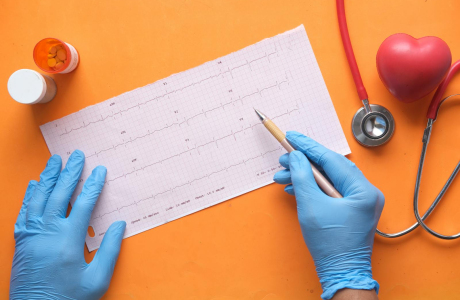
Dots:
{"x": 426, "y": 138}
{"x": 432, "y": 115}
{"x": 421, "y": 219}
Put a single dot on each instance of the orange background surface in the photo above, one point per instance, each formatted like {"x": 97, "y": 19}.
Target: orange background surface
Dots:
{"x": 249, "y": 247}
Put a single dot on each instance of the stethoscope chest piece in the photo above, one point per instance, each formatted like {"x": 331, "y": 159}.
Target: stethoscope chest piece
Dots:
{"x": 372, "y": 125}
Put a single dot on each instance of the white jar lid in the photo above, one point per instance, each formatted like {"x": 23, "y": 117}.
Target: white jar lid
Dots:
{"x": 27, "y": 86}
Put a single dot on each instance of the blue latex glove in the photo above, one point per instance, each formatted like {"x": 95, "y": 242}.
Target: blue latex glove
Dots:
{"x": 338, "y": 232}
{"x": 48, "y": 261}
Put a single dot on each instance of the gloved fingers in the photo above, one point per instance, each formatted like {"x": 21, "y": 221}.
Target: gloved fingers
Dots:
{"x": 284, "y": 160}
{"x": 21, "y": 219}
{"x": 44, "y": 188}
{"x": 337, "y": 167}
{"x": 302, "y": 177}
{"x": 65, "y": 186}
{"x": 103, "y": 264}
{"x": 83, "y": 206}
{"x": 282, "y": 177}
{"x": 289, "y": 189}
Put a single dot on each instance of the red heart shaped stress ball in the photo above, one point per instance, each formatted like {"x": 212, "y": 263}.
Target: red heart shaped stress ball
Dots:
{"x": 411, "y": 68}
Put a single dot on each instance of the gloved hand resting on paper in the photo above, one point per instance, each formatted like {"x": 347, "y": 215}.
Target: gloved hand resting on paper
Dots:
{"x": 48, "y": 261}
{"x": 338, "y": 232}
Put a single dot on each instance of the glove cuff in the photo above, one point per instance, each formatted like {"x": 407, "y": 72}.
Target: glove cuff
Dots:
{"x": 351, "y": 280}
{"x": 351, "y": 271}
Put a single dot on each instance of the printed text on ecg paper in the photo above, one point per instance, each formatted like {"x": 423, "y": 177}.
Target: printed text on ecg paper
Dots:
{"x": 192, "y": 140}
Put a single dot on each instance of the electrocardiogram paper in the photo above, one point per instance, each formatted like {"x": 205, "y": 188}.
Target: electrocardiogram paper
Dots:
{"x": 192, "y": 140}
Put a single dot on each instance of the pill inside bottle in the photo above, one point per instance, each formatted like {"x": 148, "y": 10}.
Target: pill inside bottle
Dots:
{"x": 55, "y": 56}
{"x": 30, "y": 87}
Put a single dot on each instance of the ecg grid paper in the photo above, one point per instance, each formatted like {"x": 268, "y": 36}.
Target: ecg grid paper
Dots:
{"x": 192, "y": 140}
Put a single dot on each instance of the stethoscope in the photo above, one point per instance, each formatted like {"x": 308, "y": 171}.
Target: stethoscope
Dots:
{"x": 373, "y": 125}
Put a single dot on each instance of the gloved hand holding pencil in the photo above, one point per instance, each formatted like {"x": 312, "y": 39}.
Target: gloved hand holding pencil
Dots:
{"x": 339, "y": 232}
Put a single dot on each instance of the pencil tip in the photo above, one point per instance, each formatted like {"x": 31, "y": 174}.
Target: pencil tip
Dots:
{"x": 260, "y": 115}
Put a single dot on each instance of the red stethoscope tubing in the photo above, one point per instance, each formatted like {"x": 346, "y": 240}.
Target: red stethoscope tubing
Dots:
{"x": 349, "y": 50}
{"x": 437, "y": 97}
{"x": 436, "y": 101}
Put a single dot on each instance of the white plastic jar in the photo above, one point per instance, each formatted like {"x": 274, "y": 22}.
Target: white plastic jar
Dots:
{"x": 30, "y": 87}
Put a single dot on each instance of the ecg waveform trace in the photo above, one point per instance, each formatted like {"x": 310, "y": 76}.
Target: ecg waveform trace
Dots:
{"x": 214, "y": 141}
{"x": 185, "y": 121}
{"x": 192, "y": 140}
{"x": 188, "y": 182}
{"x": 248, "y": 63}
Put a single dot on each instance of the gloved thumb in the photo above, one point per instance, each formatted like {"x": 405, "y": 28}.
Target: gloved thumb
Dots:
{"x": 302, "y": 176}
{"x": 106, "y": 257}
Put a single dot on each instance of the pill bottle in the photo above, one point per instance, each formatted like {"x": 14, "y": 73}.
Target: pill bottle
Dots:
{"x": 30, "y": 87}
{"x": 55, "y": 56}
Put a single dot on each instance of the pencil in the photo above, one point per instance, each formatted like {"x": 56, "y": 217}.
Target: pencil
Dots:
{"x": 322, "y": 182}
